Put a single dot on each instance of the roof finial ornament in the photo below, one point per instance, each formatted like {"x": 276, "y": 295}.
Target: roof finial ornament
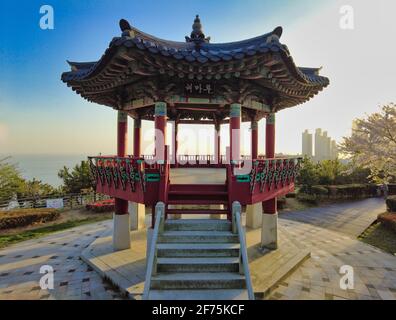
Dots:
{"x": 125, "y": 25}
{"x": 126, "y": 28}
{"x": 197, "y": 35}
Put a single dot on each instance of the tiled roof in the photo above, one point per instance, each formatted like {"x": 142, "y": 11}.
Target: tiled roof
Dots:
{"x": 204, "y": 53}
{"x": 263, "y": 60}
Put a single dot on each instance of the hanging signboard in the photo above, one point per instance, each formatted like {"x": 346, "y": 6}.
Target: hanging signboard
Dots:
{"x": 199, "y": 88}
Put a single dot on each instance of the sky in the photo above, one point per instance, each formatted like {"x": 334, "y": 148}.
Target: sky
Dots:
{"x": 40, "y": 115}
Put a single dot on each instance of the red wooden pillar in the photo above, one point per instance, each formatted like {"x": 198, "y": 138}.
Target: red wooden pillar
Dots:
{"x": 121, "y": 237}
{"x": 235, "y": 128}
{"x": 137, "y": 138}
{"x": 160, "y": 130}
{"x": 254, "y": 128}
{"x": 217, "y": 144}
{"x": 175, "y": 142}
{"x": 270, "y": 205}
{"x": 121, "y": 206}
{"x": 270, "y": 136}
{"x": 122, "y": 133}
{"x": 160, "y": 121}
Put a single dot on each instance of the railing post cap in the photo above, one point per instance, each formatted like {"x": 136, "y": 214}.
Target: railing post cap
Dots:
{"x": 236, "y": 204}
{"x": 160, "y": 204}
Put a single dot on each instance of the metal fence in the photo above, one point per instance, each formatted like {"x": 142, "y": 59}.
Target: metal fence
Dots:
{"x": 69, "y": 201}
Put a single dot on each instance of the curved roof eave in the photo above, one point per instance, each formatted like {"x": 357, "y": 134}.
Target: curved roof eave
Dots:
{"x": 202, "y": 53}
{"x": 205, "y": 52}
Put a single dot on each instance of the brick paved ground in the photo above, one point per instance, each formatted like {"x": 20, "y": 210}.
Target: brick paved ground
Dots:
{"x": 319, "y": 277}
{"x": 329, "y": 232}
{"x": 20, "y": 267}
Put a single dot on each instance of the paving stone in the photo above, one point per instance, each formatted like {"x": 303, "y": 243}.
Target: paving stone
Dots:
{"x": 330, "y": 250}
{"x": 329, "y": 232}
{"x": 18, "y": 282}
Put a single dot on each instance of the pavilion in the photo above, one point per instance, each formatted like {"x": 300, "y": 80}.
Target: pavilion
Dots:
{"x": 195, "y": 82}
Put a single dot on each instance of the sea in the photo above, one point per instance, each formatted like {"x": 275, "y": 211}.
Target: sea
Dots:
{"x": 44, "y": 167}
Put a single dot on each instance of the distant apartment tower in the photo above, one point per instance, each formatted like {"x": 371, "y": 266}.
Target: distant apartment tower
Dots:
{"x": 307, "y": 144}
{"x": 325, "y": 147}
{"x": 333, "y": 150}
{"x": 319, "y": 147}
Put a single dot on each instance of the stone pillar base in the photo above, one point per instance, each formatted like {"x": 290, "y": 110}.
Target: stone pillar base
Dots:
{"x": 269, "y": 231}
{"x": 254, "y": 215}
{"x": 216, "y": 207}
{"x": 137, "y": 214}
{"x": 121, "y": 236}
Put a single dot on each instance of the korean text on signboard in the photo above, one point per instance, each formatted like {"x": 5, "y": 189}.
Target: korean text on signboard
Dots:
{"x": 199, "y": 88}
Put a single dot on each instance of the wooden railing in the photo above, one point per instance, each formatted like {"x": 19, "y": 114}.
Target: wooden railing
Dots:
{"x": 145, "y": 180}
{"x": 260, "y": 180}
{"x": 197, "y": 161}
{"x": 129, "y": 178}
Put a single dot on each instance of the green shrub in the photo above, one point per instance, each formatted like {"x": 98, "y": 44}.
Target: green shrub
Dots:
{"x": 24, "y": 217}
{"x": 319, "y": 190}
{"x": 392, "y": 189}
{"x": 354, "y": 191}
{"x": 391, "y": 203}
{"x": 372, "y": 190}
{"x": 308, "y": 198}
{"x": 291, "y": 195}
{"x": 349, "y": 191}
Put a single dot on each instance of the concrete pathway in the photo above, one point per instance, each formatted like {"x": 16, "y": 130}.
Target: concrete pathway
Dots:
{"x": 350, "y": 218}
{"x": 329, "y": 232}
{"x": 20, "y": 267}
{"x": 319, "y": 277}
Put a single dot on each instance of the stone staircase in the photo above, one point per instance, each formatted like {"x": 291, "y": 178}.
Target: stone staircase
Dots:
{"x": 212, "y": 195}
{"x": 197, "y": 259}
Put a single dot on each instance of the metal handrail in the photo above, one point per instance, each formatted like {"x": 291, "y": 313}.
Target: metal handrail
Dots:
{"x": 159, "y": 214}
{"x": 237, "y": 227}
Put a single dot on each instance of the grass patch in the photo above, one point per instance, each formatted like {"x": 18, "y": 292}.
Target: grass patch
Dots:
{"x": 9, "y": 239}
{"x": 381, "y": 237}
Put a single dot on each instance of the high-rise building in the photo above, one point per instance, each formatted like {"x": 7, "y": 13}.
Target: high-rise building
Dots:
{"x": 325, "y": 147}
{"x": 307, "y": 144}
{"x": 318, "y": 145}
{"x": 326, "y": 142}
{"x": 334, "y": 150}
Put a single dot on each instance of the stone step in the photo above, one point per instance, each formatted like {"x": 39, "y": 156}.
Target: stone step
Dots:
{"x": 201, "y": 192}
{"x": 197, "y": 211}
{"x": 212, "y": 280}
{"x": 197, "y": 201}
{"x": 198, "y": 236}
{"x": 213, "y": 294}
{"x": 198, "y": 249}
{"x": 207, "y": 189}
{"x": 197, "y": 225}
{"x": 198, "y": 264}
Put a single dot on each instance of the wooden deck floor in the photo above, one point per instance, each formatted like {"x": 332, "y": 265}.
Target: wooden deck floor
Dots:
{"x": 198, "y": 176}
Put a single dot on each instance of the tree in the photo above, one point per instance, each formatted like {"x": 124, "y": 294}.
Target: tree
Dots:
{"x": 373, "y": 144}
{"x": 77, "y": 179}
{"x": 36, "y": 189}
{"x": 330, "y": 172}
{"x": 11, "y": 181}
{"x": 308, "y": 174}
{"x": 354, "y": 174}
